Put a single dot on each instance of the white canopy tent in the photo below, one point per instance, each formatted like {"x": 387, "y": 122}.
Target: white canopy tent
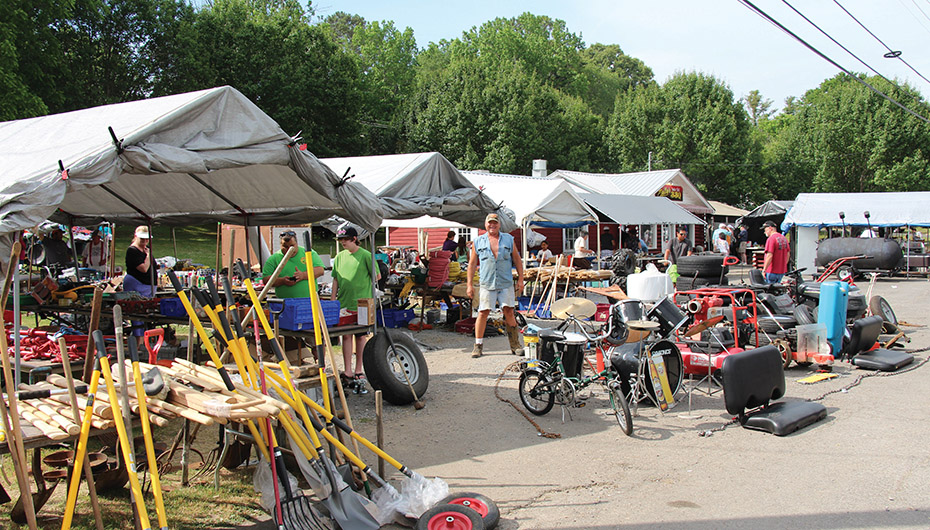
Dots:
{"x": 211, "y": 155}
{"x": 535, "y": 201}
{"x": 812, "y": 211}
{"x": 415, "y": 184}
{"x": 885, "y": 209}
{"x": 639, "y": 210}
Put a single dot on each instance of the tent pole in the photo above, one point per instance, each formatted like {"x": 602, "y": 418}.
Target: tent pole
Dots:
{"x": 111, "y": 269}
{"x": 74, "y": 256}
{"x": 248, "y": 255}
{"x": 152, "y": 257}
{"x": 219, "y": 248}
{"x": 526, "y": 225}
{"x": 597, "y": 258}
{"x": 17, "y": 316}
{"x": 174, "y": 241}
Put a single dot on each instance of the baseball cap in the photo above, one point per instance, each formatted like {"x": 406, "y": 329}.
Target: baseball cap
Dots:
{"x": 142, "y": 232}
{"x": 346, "y": 232}
{"x": 769, "y": 223}
{"x": 492, "y": 217}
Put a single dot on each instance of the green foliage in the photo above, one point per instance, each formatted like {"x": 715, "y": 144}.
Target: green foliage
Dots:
{"x": 857, "y": 141}
{"x": 268, "y": 51}
{"x": 611, "y": 72}
{"x": 386, "y": 58}
{"x": 757, "y": 107}
{"x": 693, "y": 123}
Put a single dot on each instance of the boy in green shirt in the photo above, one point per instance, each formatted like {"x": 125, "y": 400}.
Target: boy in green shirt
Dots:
{"x": 352, "y": 281}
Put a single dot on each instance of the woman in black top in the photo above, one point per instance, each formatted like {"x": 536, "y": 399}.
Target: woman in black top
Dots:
{"x": 138, "y": 262}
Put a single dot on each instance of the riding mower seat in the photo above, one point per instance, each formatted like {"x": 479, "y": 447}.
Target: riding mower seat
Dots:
{"x": 751, "y": 380}
{"x": 863, "y": 335}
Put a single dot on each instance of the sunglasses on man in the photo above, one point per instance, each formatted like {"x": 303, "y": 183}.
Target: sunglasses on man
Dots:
{"x": 289, "y": 234}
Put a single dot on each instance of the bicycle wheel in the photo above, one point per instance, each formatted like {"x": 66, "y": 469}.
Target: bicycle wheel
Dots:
{"x": 536, "y": 391}
{"x": 621, "y": 407}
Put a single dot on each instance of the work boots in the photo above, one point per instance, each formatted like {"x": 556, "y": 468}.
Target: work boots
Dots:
{"x": 479, "y": 349}
{"x": 514, "y": 335}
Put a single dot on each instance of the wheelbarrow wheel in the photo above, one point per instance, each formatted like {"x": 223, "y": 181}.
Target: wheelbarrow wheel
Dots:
{"x": 485, "y": 507}
{"x": 450, "y": 517}
{"x": 882, "y": 308}
{"x": 385, "y": 367}
{"x": 621, "y": 408}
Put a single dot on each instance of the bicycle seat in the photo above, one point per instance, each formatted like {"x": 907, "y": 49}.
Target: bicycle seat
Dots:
{"x": 551, "y": 335}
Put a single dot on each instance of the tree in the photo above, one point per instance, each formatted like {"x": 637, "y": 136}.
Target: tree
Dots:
{"x": 856, "y": 141}
{"x": 386, "y": 58}
{"x": 757, "y": 107}
{"x": 611, "y": 72}
{"x": 268, "y": 51}
{"x": 693, "y": 123}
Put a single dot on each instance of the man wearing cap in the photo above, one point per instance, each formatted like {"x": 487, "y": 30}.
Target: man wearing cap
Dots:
{"x": 351, "y": 282}
{"x": 775, "y": 262}
{"x": 497, "y": 256}
{"x": 293, "y": 280}
{"x": 96, "y": 251}
{"x": 57, "y": 252}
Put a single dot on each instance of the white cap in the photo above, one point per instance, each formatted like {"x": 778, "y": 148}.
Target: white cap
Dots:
{"x": 142, "y": 232}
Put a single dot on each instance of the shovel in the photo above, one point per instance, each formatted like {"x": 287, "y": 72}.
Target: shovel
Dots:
{"x": 346, "y": 507}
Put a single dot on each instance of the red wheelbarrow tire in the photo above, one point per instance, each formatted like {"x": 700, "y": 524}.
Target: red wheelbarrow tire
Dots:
{"x": 450, "y": 517}
{"x": 485, "y": 507}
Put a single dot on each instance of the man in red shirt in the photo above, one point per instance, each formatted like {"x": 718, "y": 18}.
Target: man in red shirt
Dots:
{"x": 775, "y": 263}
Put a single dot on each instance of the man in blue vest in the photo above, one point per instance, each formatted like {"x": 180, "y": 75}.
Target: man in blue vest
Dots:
{"x": 497, "y": 255}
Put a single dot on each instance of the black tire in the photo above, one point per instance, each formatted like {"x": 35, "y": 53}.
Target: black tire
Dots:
{"x": 457, "y": 517}
{"x": 536, "y": 391}
{"x": 385, "y": 368}
{"x": 621, "y": 407}
{"x": 804, "y": 315}
{"x": 689, "y": 283}
{"x": 771, "y": 324}
{"x": 704, "y": 265}
{"x": 485, "y": 507}
{"x": 879, "y": 306}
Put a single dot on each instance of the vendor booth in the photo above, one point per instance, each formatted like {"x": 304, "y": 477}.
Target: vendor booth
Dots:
{"x": 813, "y": 211}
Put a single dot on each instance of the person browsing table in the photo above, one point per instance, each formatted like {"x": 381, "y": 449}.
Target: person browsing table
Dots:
{"x": 351, "y": 282}
{"x": 497, "y": 255}
{"x": 293, "y": 280}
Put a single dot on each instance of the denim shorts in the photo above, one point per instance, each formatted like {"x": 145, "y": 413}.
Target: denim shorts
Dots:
{"x": 488, "y": 298}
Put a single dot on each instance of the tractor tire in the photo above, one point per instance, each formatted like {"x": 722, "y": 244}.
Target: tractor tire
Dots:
{"x": 704, "y": 265}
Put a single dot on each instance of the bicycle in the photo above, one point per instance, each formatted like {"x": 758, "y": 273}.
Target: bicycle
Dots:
{"x": 542, "y": 383}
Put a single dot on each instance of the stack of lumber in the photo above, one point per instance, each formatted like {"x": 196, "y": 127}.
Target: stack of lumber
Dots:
{"x": 544, "y": 274}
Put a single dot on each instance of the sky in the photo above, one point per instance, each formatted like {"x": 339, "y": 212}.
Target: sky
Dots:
{"x": 718, "y": 37}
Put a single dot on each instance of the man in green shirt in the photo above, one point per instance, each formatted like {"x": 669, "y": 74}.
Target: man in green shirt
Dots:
{"x": 352, "y": 281}
{"x": 292, "y": 282}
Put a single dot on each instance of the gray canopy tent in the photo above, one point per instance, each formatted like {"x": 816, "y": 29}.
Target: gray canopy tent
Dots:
{"x": 211, "y": 155}
{"x": 412, "y": 185}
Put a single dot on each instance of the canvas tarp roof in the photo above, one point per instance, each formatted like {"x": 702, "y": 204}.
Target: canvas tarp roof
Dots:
{"x": 211, "y": 155}
{"x": 723, "y": 209}
{"x": 885, "y": 209}
{"x": 638, "y": 210}
{"x": 535, "y": 201}
{"x": 425, "y": 221}
{"x": 643, "y": 183}
{"x": 768, "y": 209}
{"x": 416, "y": 184}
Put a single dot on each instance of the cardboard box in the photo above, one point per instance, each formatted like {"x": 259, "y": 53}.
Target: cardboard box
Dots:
{"x": 366, "y": 312}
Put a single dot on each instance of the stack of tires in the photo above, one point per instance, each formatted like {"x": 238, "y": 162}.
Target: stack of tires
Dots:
{"x": 701, "y": 270}
{"x": 622, "y": 264}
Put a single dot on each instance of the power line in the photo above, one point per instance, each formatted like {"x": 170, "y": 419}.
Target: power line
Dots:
{"x": 911, "y": 13}
{"x": 777, "y": 24}
{"x": 891, "y": 53}
{"x": 827, "y": 35}
{"x": 924, "y": 13}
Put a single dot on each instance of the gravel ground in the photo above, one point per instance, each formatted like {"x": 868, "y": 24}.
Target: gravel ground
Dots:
{"x": 864, "y": 466}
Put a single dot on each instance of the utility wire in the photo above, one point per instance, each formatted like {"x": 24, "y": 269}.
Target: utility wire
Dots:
{"x": 777, "y": 24}
{"x": 911, "y": 13}
{"x": 827, "y": 35}
{"x": 891, "y": 53}
{"x": 924, "y": 13}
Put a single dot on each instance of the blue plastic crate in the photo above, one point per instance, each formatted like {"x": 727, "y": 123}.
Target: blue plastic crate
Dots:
{"x": 540, "y": 312}
{"x": 171, "y": 307}
{"x": 395, "y": 318}
{"x": 297, "y": 314}
{"x": 523, "y": 302}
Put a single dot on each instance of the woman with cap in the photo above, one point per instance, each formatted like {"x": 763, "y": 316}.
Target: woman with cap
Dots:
{"x": 96, "y": 251}
{"x": 139, "y": 263}
{"x": 138, "y": 278}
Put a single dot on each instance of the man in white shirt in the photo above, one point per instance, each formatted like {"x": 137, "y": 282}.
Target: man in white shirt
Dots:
{"x": 583, "y": 254}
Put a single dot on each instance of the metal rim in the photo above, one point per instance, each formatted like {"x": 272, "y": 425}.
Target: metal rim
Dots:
{"x": 401, "y": 360}
{"x": 449, "y": 521}
{"x": 473, "y": 503}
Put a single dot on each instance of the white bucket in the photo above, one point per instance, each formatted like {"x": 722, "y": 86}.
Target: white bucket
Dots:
{"x": 649, "y": 286}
